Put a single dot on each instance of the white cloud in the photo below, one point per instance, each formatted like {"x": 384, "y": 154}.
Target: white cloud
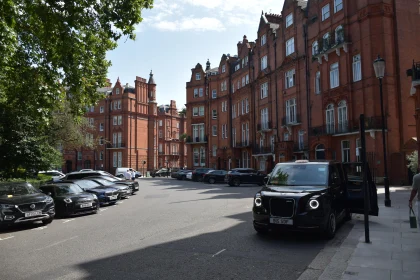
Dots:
{"x": 197, "y": 24}
{"x": 233, "y": 5}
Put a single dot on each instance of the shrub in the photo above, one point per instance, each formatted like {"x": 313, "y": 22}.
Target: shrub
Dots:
{"x": 413, "y": 162}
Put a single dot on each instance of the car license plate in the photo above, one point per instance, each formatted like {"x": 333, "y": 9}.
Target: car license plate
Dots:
{"x": 281, "y": 221}
{"x": 136, "y": 188}
{"x": 84, "y": 205}
{"x": 33, "y": 213}
{"x": 113, "y": 197}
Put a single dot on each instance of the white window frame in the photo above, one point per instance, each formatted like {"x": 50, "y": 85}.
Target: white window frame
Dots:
{"x": 214, "y": 93}
{"x": 214, "y": 114}
{"x": 247, "y": 79}
{"x": 119, "y": 120}
{"x": 345, "y": 151}
{"x": 325, "y": 12}
{"x": 196, "y": 157}
{"x": 330, "y": 119}
{"x": 357, "y": 68}
{"x": 247, "y": 105}
{"x": 301, "y": 140}
{"x": 290, "y": 79}
{"x": 119, "y": 104}
{"x": 342, "y": 116}
{"x": 286, "y": 137}
{"x": 334, "y": 75}
{"x": 289, "y": 20}
{"x": 201, "y": 111}
{"x": 160, "y": 123}
{"x": 197, "y": 76}
{"x": 264, "y": 118}
{"x": 214, "y": 130}
{"x": 264, "y": 90}
{"x": 195, "y": 92}
{"x": 318, "y": 82}
{"x": 290, "y": 46}
{"x": 243, "y": 81}
{"x": 263, "y": 39}
{"x": 237, "y": 67}
{"x": 101, "y": 109}
{"x": 223, "y": 68}
{"x": 115, "y": 159}
{"x": 200, "y": 92}
{"x": 291, "y": 114}
{"x": 195, "y": 112}
{"x": 337, "y": 37}
{"x": 214, "y": 150}
{"x": 262, "y": 164}
{"x": 117, "y": 91}
{"x": 338, "y": 5}
{"x": 114, "y": 120}
{"x": 101, "y": 127}
{"x": 101, "y": 155}
{"x": 315, "y": 48}
{"x": 263, "y": 62}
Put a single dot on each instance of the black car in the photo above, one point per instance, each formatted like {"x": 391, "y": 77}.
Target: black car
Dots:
{"x": 133, "y": 185}
{"x": 174, "y": 172}
{"x": 239, "y": 176}
{"x": 106, "y": 195}
{"x": 81, "y": 175}
{"x": 182, "y": 174}
{"x": 124, "y": 191}
{"x": 215, "y": 176}
{"x": 306, "y": 195}
{"x": 20, "y": 203}
{"x": 198, "y": 174}
{"x": 70, "y": 199}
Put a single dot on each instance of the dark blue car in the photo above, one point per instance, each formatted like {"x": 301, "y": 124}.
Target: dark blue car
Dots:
{"x": 106, "y": 195}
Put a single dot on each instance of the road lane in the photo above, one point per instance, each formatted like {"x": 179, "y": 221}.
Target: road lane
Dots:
{"x": 169, "y": 230}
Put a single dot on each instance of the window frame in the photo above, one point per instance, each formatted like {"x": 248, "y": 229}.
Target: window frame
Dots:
{"x": 214, "y": 130}
{"x": 357, "y": 63}
{"x": 264, "y": 90}
{"x": 334, "y": 75}
{"x": 197, "y": 76}
{"x": 290, "y": 46}
{"x": 338, "y": 3}
{"x": 289, "y": 20}
{"x": 325, "y": 14}
{"x": 264, "y": 64}
{"x": 287, "y": 78}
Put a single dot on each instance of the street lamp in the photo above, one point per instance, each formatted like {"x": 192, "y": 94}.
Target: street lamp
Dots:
{"x": 379, "y": 66}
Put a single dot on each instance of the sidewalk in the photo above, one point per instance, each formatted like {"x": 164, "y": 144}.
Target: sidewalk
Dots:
{"x": 393, "y": 254}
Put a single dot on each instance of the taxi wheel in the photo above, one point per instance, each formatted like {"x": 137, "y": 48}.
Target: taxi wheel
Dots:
{"x": 331, "y": 226}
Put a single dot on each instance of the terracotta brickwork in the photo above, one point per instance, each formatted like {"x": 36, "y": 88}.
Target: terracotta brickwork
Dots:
{"x": 125, "y": 130}
{"x": 310, "y": 77}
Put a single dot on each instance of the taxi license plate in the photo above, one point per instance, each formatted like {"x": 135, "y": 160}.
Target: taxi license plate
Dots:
{"x": 280, "y": 221}
{"x": 113, "y": 197}
{"x": 84, "y": 205}
{"x": 33, "y": 213}
{"x": 136, "y": 188}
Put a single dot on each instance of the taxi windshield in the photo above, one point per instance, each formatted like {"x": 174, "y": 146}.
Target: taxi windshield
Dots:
{"x": 299, "y": 175}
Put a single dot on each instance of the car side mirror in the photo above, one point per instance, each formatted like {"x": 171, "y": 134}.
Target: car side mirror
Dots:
{"x": 49, "y": 194}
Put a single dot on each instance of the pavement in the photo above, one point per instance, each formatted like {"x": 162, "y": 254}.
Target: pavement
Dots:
{"x": 392, "y": 254}
{"x": 169, "y": 230}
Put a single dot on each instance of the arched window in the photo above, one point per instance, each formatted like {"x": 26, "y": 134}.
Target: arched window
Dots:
{"x": 326, "y": 41}
{"x": 330, "y": 121}
{"x": 342, "y": 117}
{"x": 320, "y": 152}
{"x": 339, "y": 35}
{"x": 315, "y": 49}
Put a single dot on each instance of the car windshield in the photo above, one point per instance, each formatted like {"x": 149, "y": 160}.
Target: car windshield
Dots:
{"x": 11, "y": 190}
{"x": 68, "y": 189}
{"x": 87, "y": 184}
{"x": 111, "y": 179}
{"x": 299, "y": 175}
{"x": 103, "y": 182}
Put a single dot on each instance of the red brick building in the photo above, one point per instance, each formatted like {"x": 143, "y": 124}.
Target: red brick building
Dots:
{"x": 310, "y": 77}
{"x": 127, "y": 126}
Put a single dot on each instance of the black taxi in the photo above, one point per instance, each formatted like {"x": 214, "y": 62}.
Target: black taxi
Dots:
{"x": 312, "y": 195}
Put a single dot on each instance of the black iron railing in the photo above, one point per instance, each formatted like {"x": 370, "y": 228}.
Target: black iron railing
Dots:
{"x": 243, "y": 144}
{"x": 291, "y": 120}
{"x": 262, "y": 150}
{"x": 346, "y": 127}
{"x": 414, "y": 72}
{"x": 265, "y": 126}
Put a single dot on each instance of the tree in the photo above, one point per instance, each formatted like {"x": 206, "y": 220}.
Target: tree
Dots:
{"x": 413, "y": 161}
{"x": 183, "y": 111}
{"x": 53, "y": 54}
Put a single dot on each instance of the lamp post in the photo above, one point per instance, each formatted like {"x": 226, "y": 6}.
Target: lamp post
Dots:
{"x": 379, "y": 66}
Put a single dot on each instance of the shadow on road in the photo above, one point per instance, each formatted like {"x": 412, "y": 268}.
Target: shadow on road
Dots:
{"x": 233, "y": 253}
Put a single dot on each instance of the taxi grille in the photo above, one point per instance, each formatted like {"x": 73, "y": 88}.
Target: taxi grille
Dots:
{"x": 283, "y": 208}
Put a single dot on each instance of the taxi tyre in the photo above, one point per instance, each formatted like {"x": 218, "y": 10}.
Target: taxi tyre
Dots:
{"x": 331, "y": 226}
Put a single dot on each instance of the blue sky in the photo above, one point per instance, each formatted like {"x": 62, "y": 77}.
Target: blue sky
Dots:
{"x": 177, "y": 34}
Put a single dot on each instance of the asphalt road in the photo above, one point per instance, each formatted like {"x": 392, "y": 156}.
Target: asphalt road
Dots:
{"x": 169, "y": 230}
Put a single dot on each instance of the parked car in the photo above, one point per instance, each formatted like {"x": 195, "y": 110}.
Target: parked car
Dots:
{"x": 55, "y": 174}
{"x": 239, "y": 176}
{"x": 106, "y": 195}
{"x": 133, "y": 185}
{"x": 21, "y": 203}
{"x": 189, "y": 175}
{"x": 163, "y": 172}
{"x": 215, "y": 176}
{"x": 310, "y": 195}
{"x": 70, "y": 199}
{"x": 182, "y": 174}
{"x": 174, "y": 172}
{"x": 124, "y": 191}
{"x": 197, "y": 174}
{"x": 81, "y": 175}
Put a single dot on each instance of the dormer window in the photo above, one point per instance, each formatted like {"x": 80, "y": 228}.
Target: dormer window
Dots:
{"x": 289, "y": 20}
{"x": 263, "y": 39}
{"x": 117, "y": 91}
{"x": 197, "y": 76}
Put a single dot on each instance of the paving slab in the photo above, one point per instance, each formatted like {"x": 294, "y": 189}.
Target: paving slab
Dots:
{"x": 404, "y": 275}
{"x": 378, "y": 262}
{"x": 362, "y": 273}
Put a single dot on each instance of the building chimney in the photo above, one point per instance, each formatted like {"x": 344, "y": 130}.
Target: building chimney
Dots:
{"x": 208, "y": 65}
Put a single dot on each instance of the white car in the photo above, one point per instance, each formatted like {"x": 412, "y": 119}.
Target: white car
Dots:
{"x": 85, "y": 170}
{"x": 55, "y": 174}
{"x": 189, "y": 176}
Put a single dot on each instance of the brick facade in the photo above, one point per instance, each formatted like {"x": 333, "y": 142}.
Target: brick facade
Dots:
{"x": 310, "y": 77}
{"x": 126, "y": 128}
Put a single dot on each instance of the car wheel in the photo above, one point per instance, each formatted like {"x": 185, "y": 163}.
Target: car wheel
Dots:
{"x": 212, "y": 180}
{"x": 331, "y": 226}
{"x": 48, "y": 221}
{"x": 236, "y": 182}
{"x": 260, "y": 230}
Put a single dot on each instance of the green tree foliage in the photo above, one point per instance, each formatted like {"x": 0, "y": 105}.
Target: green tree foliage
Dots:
{"x": 53, "y": 54}
{"x": 413, "y": 161}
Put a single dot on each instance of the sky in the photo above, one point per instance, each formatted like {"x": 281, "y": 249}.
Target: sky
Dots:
{"x": 177, "y": 34}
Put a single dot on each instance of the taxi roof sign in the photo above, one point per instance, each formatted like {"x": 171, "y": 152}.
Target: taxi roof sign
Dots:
{"x": 302, "y": 161}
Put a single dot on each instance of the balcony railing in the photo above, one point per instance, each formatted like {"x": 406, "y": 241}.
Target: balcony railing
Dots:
{"x": 414, "y": 72}
{"x": 300, "y": 146}
{"x": 291, "y": 120}
{"x": 263, "y": 150}
{"x": 115, "y": 145}
{"x": 192, "y": 140}
{"x": 265, "y": 126}
{"x": 243, "y": 144}
{"x": 371, "y": 123}
{"x": 161, "y": 153}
